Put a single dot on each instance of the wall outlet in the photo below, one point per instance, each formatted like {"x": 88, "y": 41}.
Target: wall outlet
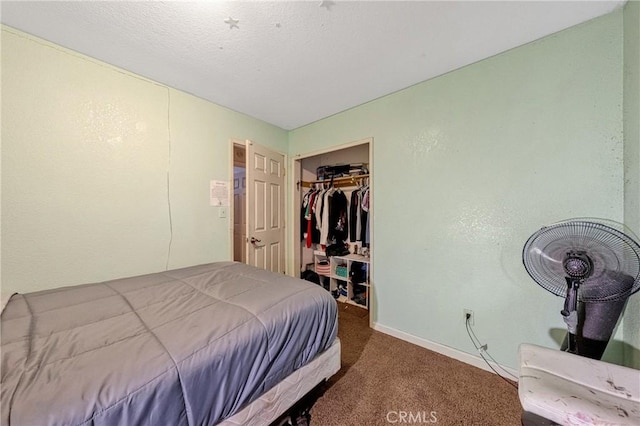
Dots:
{"x": 469, "y": 312}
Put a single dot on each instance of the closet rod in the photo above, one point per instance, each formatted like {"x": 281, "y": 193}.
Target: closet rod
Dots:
{"x": 337, "y": 182}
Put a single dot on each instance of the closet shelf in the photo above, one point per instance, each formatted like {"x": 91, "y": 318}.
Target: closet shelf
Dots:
{"x": 351, "y": 256}
{"x": 337, "y": 182}
{"x": 341, "y": 284}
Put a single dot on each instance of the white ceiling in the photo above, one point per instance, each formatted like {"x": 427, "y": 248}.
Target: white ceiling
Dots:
{"x": 292, "y": 63}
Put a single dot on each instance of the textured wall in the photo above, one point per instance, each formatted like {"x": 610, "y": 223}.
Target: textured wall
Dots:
{"x": 468, "y": 165}
{"x": 106, "y": 174}
{"x": 632, "y": 164}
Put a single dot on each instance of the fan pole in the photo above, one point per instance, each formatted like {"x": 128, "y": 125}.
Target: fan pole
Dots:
{"x": 570, "y": 311}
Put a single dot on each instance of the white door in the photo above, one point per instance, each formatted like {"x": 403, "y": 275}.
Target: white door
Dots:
{"x": 265, "y": 208}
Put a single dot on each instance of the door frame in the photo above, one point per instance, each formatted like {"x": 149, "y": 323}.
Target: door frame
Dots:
{"x": 235, "y": 144}
{"x": 232, "y": 206}
{"x": 295, "y": 177}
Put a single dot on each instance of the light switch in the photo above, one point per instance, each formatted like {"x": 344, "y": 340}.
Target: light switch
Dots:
{"x": 222, "y": 212}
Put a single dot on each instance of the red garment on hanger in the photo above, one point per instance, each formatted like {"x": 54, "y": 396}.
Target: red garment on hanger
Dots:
{"x": 310, "y": 221}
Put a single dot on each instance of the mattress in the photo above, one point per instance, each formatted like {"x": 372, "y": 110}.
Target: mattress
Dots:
{"x": 189, "y": 346}
{"x": 277, "y": 400}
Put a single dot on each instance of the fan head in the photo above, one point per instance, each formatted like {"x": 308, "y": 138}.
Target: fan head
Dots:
{"x": 602, "y": 255}
{"x": 596, "y": 267}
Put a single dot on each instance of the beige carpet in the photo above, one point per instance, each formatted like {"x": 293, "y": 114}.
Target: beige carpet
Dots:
{"x": 384, "y": 378}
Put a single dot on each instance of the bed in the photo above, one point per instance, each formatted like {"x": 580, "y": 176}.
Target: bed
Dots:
{"x": 217, "y": 343}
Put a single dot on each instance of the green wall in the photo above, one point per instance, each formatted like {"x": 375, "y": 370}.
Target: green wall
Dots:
{"x": 106, "y": 174}
{"x": 468, "y": 165}
{"x": 632, "y": 164}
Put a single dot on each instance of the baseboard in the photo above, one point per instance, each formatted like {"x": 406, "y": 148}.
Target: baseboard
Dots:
{"x": 476, "y": 361}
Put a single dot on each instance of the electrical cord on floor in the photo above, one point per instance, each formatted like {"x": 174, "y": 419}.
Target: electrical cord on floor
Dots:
{"x": 483, "y": 349}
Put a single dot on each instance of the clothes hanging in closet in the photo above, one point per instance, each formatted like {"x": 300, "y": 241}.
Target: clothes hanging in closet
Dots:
{"x": 354, "y": 215}
{"x": 324, "y": 216}
{"x": 327, "y": 216}
{"x": 308, "y": 225}
{"x": 365, "y": 216}
{"x": 334, "y": 222}
{"x": 359, "y": 215}
{"x": 338, "y": 217}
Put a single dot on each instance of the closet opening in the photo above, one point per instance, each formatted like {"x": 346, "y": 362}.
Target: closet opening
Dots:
{"x": 333, "y": 226}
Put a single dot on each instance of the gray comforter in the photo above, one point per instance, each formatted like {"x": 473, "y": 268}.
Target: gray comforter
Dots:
{"x": 188, "y": 346}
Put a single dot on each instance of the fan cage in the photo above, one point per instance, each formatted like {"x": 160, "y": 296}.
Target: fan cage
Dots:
{"x": 615, "y": 256}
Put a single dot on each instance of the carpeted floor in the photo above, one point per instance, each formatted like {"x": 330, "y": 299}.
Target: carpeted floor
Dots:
{"x": 383, "y": 379}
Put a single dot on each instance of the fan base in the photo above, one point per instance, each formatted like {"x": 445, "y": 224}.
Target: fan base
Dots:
{"x": 586, "y": 347}
{"x": 531, "y": 419}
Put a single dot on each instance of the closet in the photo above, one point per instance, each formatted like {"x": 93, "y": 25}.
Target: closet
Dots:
{"x": 333, "y": 224}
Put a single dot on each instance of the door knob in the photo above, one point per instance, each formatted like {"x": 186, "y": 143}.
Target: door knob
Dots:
{"x": 255, "y": 240}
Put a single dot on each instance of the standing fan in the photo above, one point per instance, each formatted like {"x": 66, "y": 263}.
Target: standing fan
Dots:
{"x": 595, "y": 266}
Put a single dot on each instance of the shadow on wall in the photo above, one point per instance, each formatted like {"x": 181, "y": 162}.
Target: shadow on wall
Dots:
{"x": 617, "y": 351}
